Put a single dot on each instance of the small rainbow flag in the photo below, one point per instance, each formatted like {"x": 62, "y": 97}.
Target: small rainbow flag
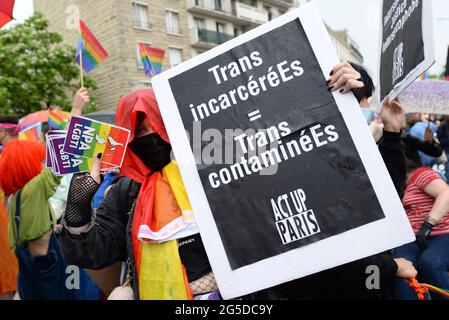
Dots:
{"x": 31, "y": 133}
{"x": 90, "y": 49}
{"x": 152, "y": 59}
{"x": 55, "y": 121}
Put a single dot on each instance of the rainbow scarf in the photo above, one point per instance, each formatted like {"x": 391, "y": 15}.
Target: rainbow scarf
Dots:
{"x": 160, "y": 271}
{"x": 91, "y": 50}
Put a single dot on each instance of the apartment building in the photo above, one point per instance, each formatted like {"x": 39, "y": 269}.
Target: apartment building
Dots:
{"x": 183, "y": 28}
{"x": 119, "y": 25}
{"x": 212, "y": 22}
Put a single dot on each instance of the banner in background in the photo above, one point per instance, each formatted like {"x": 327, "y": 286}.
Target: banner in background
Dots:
{"x": 407, "y": 48}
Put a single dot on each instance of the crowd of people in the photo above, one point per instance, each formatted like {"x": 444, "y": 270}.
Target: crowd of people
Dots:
{"x": 96, "y": 227}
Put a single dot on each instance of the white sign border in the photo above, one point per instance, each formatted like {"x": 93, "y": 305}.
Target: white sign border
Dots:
{"x": 373, "y": 238}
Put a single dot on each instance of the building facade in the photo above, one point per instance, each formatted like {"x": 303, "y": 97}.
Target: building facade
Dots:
{"x": 212, "y": 22}
{"x": 183, "y": 28}
{"x": 347, "y": 48}
{"x": 119, "y": 25}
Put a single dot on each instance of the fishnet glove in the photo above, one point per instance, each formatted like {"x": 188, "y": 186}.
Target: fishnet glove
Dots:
{"x": 79, "y": 210}
{"x": 205, "y": 284}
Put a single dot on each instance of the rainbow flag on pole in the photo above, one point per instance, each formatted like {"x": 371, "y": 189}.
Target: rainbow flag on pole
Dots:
{"x": 152, "y": 59}
{"x": 89, "y": 49}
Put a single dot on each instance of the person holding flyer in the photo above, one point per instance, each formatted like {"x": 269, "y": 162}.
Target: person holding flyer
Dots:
{"x": 145, "y": 219}
{"x": 42, "y": 269}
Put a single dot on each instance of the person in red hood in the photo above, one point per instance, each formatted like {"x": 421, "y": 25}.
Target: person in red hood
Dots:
{"x": 140, "y": 214}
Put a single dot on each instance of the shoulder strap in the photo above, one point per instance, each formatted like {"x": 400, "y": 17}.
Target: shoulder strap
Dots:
{"x": 17, "y": 216}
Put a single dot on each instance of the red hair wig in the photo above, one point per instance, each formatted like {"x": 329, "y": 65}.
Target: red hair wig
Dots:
{"x": 20, "y": 162}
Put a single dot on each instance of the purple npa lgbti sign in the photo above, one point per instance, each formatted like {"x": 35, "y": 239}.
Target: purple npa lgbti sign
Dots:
{"x": 62, "y": 163}
{"x": 284, "y": 177}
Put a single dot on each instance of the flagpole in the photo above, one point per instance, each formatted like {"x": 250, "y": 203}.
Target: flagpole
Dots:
{"x": 81, "y": 67}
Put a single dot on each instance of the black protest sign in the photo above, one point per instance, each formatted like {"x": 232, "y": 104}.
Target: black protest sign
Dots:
{"x": 406, "y": 48}
{"x": 289, "y": 208}
{"x": 270, "y": 163}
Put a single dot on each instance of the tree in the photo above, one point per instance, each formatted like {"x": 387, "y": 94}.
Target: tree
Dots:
{"x": 37, "y": 71}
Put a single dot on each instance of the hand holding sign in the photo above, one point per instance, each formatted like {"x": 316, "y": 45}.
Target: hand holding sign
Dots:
{"x": 406, "y": 270}
{"x": 95, "y": 172}
{"x": 80, "y": 101}
{"x": 392, "y": 114}
{"x": 344, "y": 78}
{"x": 428, "y": 135}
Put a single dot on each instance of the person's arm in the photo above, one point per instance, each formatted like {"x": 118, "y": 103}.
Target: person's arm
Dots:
{"x": 391, "y": 146}
{"x": 439, "y": 190}
{"x": 45, "y": 181}
{"x": 99, "y": 240}
{"x": 80, "y": 100}
{"x": 392, "y": 150}
{"x": 442, "y": 135}
{"x": 345, "y": 78}
{"x": 356, "y": 272}
{"x": 430, "y": 148}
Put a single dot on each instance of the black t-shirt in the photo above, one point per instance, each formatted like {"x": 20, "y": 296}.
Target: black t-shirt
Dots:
{"x": 193, "y": 257}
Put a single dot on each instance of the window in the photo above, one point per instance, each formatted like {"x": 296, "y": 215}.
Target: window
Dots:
{"x": 171, "y": 21}
{"x": 138, "y": 57}
{"x": 220, "y": 27}
{"x": 218, "y": 5}
{"x": 140, "y": 16}
{"x": 237, "y": 31}
{"x": 199, "y": 25}
{"x": 175, "y": 56}
{"x": 270, "y": 13}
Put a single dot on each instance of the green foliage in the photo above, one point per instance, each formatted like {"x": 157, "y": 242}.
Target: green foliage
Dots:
{"x": 36, "y": 70}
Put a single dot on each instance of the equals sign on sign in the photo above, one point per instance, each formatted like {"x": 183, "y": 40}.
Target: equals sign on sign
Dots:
{"x": 253, "y": 116}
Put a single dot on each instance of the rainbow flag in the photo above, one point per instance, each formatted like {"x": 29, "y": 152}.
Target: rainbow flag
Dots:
{"x": 92, "y": 51}
{"x": 31, "y": 133}
{"x": 55, "y": 121}
{"x": 152, "y": 59}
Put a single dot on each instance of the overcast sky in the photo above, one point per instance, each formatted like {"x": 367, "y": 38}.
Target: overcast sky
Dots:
{"x": 361, "y": 18}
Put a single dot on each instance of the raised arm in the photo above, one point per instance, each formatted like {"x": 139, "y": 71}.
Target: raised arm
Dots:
{"x": 95, "y": 240}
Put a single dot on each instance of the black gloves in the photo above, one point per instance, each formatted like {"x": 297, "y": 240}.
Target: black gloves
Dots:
{"x": 79, "y": 210}
{"x": 423, "y": 234}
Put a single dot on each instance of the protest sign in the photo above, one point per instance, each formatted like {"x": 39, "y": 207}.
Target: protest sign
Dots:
{"x": 280, "y": 172}
{"x": 87, "y": 138}
{"x": 62, "y": 163}
{"x": 407, "y": 48}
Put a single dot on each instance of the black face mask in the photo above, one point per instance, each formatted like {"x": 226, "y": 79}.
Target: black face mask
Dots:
{"x": 152, "y": 150}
